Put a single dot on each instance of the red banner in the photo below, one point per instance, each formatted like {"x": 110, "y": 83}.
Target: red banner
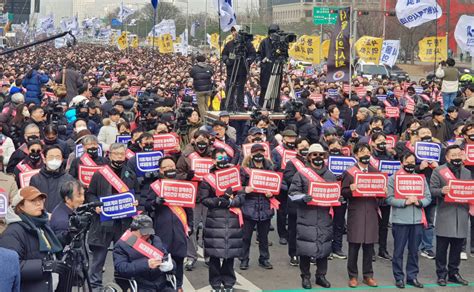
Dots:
{"x": 398, "y": 93}
{"x": 201, "y": 166}
{"x": 370, "y": 184}
{"x": 133, "y": 90}
{"x": 165, "y": 142}
{"x": 264, "y": 181}
{"x": 176, "y": 192}
{"x": 325, "y": 194}
{"x": 141, "y": 246}
{"x": 316, "y": 97}
{"x": 391, "y": 141}
{"x": 246, "y": 149}
{"x": 361, "y": 91}
{"x": 86, "y": 173}
{"x": 346, "y": 151}
{"x": 227, "y": 178}
{"x": 392, "y": 112}
{"x": 460, "y": 191}
{"x": 469, "y": 152}
{"x": 26, "y": 176}
{"x": 407, "y": 185}
{"x": 287, "y": 156}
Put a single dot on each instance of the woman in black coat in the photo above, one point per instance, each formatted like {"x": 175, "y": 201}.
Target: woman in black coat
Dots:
{"x": 27, "y": 221}
{"x": 256, "y": 209}
{"x": 314, "y": 223}
{"x": 222, "y": 231}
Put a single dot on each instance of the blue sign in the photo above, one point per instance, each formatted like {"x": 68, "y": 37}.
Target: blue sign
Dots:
{"x": 418, "y": 89}
{"x": 140, "y": 93}
{"x": 428, "y": 151}
{"x": 3, "y": 205}
{"x": 389, "y": 166}
{"x": 118, "y": 206}
{"x": 309, "y": 70}
{"x": 339, "y": 164}
{"x": 332, "y": 92}
{"x": 148, "y": 161}
{"x": 298, "y": 94}
{"x": 123, "y": 139}
{"x": 381, "y": 97}
{"x": 80, "y": 150}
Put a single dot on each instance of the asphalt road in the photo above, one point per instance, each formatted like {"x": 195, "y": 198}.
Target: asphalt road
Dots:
{"x": 284, "y": 277}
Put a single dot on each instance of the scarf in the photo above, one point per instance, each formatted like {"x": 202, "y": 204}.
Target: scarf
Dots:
{"x": 47, "y": 239}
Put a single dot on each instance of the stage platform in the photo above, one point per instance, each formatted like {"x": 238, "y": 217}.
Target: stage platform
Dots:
{"x": 244, "y": 116}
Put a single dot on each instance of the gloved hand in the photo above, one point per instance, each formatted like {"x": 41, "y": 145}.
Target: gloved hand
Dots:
{"x": 224, "y": 202}
{"x": 151, "y": 175}
{"x": 229, "y": 192}
{"x": 159, "y": 201}
{"x": 307, "y": 199}
{"x": 190, "y": 175}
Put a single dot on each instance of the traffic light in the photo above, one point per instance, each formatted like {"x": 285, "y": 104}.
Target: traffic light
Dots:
{"x": 390, "y": 13}
{"x": 362, "y": 13}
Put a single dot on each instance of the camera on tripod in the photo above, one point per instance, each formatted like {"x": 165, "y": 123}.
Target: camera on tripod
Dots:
{"x": 184, "y": 111}
{"x": 81, "y": 217}
{"x": 292, "y": 107}
{"x": 242, "y": 39}
{"x": 281, "y": 43}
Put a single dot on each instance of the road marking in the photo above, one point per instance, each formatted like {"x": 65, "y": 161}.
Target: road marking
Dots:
{"x": 365, "y": 288}
{"x": 187, "y": 286}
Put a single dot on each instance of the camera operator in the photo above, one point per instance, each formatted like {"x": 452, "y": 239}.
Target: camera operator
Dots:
{"x": 305, "y": 129}
{"x": 202, "y": 82}
{"x": 237, "y": 47}
{"x": 29, "y": 234}
{"x": 72, "y": 194}
{"x": 266, "y": 59}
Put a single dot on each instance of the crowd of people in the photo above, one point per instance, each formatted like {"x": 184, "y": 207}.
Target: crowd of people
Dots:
{"x": 92, "y": 106}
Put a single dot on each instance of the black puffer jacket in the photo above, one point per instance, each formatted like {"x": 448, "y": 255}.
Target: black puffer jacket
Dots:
{"x": 256, "y": 206}
{"x": 307, "y": 130}
{"x": 202, "y": 74}
{"x": 314, "y": 224}
{"x": 222, "y": 232}
{"x": 49, "y": 182}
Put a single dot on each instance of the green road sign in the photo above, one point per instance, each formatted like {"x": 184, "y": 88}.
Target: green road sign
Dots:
{"x": 323, "y": 15}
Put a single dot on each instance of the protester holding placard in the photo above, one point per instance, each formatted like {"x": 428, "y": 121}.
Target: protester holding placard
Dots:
{"x": 407, "y": 219}
{"x": 452, "y": 219}
{"x": 173, "y": 224}
{"x": 148, "y": 270}
{"x": 223, "y": 226}
{"x": 31, "y": 162}
{"x": 362, "y": 219}
{"x": 314, "y": 223}
{"x": 91, "y": 156}
{"x": 222, "y": 140}
{"x": 468, "y": 143}
{"x": 31, "y": 132}
{"x": 288, "y": 234}
{"x": 257, "y": 208}
{"x": 104, "y": 183}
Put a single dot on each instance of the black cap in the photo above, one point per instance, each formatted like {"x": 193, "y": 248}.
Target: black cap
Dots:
{"x": 256, "y": 147}
{"x": 255, "y": 130}
{"x": 144, "y": 224}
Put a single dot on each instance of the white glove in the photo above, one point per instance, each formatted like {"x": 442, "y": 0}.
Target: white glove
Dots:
{"x": 167, "y": 265}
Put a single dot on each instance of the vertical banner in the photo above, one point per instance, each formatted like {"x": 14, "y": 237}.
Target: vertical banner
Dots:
{"x": 390, "y": 50}
{"x": 325, "y": 49}
{"x": 368, "y": 48}
{"x": 428, "y": 47}
{"x": 339, "y": 48}
{"x": 165, "y": 44}
{"x": 307, "y": 49}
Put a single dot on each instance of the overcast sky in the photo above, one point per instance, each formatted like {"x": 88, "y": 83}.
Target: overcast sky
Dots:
{"x": 200, "y": 5}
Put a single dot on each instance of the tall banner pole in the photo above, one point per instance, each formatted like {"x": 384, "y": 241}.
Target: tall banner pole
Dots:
{"x": 220, "y": 34}
{"x": 153, "y": 29}
{"x": 351, "y": 11}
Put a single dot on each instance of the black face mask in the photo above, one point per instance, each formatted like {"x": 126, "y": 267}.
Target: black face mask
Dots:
{"x": 377, "y": 130}
{"x": 410, "y": 168}
{"x": 82, "y": 115}
{"x": 291, "y": 145}
{"x": 93, "y": 152}
{"x": 335, "y": 152}
{"x": 265, "y": 131}
{"x": 259, "y": 157}
{"x": 125, "y": 133}
{"x": 257, "y": 140}
{"x": 170, "y": 173}
{"x": 32, "y": 138}
{"x": 382, "y": 146}
{"x": 471, "y": 137}
{"x": 117, "y": 164}
{"x": 34, "y": 157}
{"x": 304, "y": 152}
{"x": 201, "y": 146}
{"x": 318, "y": 161}
{"x": 221, "y": 164}
{"x": 456, "y": 163}
{"x": 148, "y": 147}
{"x": 50, "y": 141}
{"x": 364, "y": 159}
{"x": 426, "y": 139}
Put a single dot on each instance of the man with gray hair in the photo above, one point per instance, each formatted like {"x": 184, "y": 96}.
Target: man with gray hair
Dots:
{"x": 32, "y": 132}
{"x": 91, "y": 156}
{"x": 9, "y": 109}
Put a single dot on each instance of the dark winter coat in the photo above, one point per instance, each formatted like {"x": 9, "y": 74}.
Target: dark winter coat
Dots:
{"x": 74, "y": 169}
{"x": 250, "y": 56}
{"x": 102, "y": 233}
{"x": 60, "y": 223}
{"x": 313, "y": 223}
{"x": 256, "y": 205}
{"x": 362, "y": 213}
{"x": 288, "y": 175}
{"x": 73, "y": 82}
{"x": 222, "y": 232}
{"x": 33, "y": 82}
{"x": 17, "y": 156}
{"x": 265, "y": 50}
{"x": 129, "y": 263}
{"x": 50, "y": 182}
{"x": 202, "y": 77}
{"x": 307, "y": 130}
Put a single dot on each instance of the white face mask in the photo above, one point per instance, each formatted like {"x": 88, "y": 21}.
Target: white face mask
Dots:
{"x": 54, "y": 164}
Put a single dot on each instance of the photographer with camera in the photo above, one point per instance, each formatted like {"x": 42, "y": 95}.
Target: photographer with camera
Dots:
{"x": 240, "y": 50}
{"x": 295, "y": 112}
{"x": 450, "y": 84}
{"x": 266, "y": 58}
{"x": 202, "y": 82}
{"x": 30, "y": 235}
{"x": 72, "y": 194}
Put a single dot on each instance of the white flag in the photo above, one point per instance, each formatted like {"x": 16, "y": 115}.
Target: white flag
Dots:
{"x": 464, "y": 33}
{"x": 124, "y": 12}
{"x": 412, "y": 13}
{"x": 194, "y": 26}
{"x": 46, "y": 25}
{"x": 70, "y": 24}
{"x": 208, "y": 37}
{"x": 184, "y": 42}
{"x": 389, "y": 54}
{"x": 166, "y": 26}
{"x": 227, "y": 14}
{"x": 60, "y": 43}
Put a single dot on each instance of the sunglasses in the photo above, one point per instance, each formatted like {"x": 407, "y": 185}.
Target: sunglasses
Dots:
{"x": 221, "y": 157}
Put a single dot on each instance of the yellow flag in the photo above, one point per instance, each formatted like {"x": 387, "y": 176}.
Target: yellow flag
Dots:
{"x": 307, "y": 49}
{"x": 227, "y": 39}
{"x": 369, "y": 48}
{"x": 215, "y": 40}
{"x": 325, "y": 49}
{"x": 165, "y": 44}
{"x": 257, "y": 39}
{"x": 122, "y": 41}
{"x": 134, "y": 42}
{"x": 431, "y": 46}
{"x": 113, "y": 38}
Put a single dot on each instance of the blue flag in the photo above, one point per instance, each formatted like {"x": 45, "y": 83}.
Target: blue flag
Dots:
{"x": 154, "y": 3}
{"x": 116, "y": 22}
